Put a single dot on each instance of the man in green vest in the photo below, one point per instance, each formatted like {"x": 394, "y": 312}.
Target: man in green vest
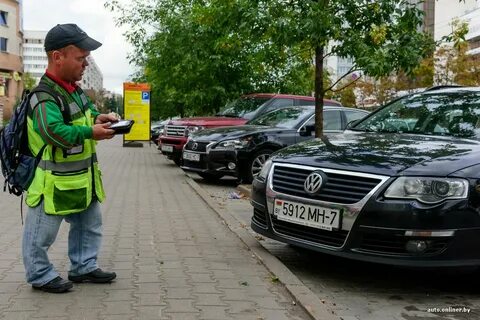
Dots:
{"x": 67, "y": 183}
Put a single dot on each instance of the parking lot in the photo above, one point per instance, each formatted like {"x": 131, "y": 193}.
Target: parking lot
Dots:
{"x": 174, "y": 257}
{"x": 358, "y": 290}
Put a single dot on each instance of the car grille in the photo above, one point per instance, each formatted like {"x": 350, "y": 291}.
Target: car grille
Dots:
{"x": 260, "y": 217}
{"x": 176, "y": 131}
{"x": 395, "y": 244}
{"x": 330, "y": 238}
{"x": 201, "y": 146}
{"x": 340, "y": 188}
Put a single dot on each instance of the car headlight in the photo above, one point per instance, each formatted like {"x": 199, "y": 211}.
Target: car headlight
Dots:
{"x": 233, "y": 144}
{"x": 265, "y": 170}
{"x": 192, "y": 129}
{"x": 428, "y": 190}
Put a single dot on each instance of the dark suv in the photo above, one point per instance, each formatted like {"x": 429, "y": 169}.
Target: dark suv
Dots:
{"x": 236, "y": 113}
{"x": 402, "y": 186}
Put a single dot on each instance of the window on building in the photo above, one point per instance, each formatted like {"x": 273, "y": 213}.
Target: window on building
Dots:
{"x": 3, "y": 44}
{"x": 3, "y": 18}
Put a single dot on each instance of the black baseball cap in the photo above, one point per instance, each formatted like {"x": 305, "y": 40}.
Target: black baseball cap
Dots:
{"x": 63, "y": 35}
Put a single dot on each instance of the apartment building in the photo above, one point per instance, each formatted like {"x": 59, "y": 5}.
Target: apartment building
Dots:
{"x": 11, "y": 65}
{"x": 35, "y": 60}
{"x": 447, "y": 10}
{"x": 92, "y": 78}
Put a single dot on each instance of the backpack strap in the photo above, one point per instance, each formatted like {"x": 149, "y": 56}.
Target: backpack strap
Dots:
{"x": 60, "y": 101}
{"x": 58, "y": 98}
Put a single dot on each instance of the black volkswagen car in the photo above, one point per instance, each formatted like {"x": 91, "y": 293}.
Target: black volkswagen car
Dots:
{"x": 401, "y": 187}
{"x": 241, "y": 151}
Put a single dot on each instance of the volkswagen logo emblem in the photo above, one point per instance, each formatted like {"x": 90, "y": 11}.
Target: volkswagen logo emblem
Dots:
{"x": 314, "y": 182}
{"x": 195, "y": 146}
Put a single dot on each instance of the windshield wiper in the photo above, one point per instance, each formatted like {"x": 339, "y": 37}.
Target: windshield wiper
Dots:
{"x": 362, "y": 130}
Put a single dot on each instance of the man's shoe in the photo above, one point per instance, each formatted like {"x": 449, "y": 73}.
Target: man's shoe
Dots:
{"x": 96, "y": 276}
{"x": 57, "y": 285}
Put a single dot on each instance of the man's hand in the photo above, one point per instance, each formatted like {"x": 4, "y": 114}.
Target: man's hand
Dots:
{"x": 107, "y": 117}
{"x": 101, "y": 131}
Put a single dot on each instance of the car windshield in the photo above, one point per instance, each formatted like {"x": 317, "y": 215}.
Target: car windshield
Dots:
{"x": 445, "y": 114}
{"x": 243, "y": 107}
{"x": 287, "y": 118}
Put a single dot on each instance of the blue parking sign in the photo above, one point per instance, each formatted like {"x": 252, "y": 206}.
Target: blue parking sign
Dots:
{"x": 145, "y": 95}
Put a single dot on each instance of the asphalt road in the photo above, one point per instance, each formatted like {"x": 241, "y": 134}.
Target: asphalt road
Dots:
{"x": 360, "y": 291}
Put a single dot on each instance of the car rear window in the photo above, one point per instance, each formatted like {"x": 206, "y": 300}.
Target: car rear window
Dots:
{"x": 238, "y": 108}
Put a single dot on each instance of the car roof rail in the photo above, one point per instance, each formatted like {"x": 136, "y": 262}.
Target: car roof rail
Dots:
{"x": 444, "y": 86}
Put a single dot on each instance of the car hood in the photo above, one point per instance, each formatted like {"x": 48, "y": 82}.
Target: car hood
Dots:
{"x": 226, "y": 133}
{"x": 209, "y": 121}
{"x": 385, "y": 153}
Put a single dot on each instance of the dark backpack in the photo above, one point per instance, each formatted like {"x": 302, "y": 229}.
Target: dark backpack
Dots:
{"x": 17, "y": 161}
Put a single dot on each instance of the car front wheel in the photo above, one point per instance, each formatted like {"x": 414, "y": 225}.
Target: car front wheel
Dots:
{"x": 256, "y": 165}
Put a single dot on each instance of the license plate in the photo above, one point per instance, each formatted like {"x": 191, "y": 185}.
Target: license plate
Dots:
{"x": 167, "y": 148}
{"x": 191, "y": 156}
{"x": 307, "y": 215}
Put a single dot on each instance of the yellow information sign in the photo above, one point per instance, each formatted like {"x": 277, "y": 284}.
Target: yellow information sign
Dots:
{"x": 136, "y": 98}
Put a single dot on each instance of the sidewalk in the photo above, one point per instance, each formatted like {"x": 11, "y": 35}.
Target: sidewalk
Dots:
{"x": 174, "y": 257}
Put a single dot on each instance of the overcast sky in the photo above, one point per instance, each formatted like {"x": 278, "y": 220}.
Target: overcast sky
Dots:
{"x": 91, "y": 16}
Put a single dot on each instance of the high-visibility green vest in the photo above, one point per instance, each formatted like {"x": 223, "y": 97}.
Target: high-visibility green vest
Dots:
{"x": 67, "y": 183}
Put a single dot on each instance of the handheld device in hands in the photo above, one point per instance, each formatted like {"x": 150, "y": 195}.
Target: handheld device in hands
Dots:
{"x": 122, "y": 126}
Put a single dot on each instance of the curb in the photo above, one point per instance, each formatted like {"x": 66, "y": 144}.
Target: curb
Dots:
{"x": 316, "y": 308}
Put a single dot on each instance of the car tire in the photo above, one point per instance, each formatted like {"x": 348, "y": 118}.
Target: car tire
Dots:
{"x": 210, "y": 177}
{"x": 255, "y": 165}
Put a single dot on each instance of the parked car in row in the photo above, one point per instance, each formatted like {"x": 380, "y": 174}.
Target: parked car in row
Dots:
{"x": 241, "y": 151}
{"x": 236, "y": 113}
{"x": 156, "y": 129}
{"x": 401, "y": 187}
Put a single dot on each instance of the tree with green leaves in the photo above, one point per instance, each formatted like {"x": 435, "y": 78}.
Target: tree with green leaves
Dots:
{"x": 197, "y": 55}
{"x": 380, "y": 36}
{"x": 29, "y": 81}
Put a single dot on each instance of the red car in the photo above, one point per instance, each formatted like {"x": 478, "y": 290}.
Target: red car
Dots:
{"x": 237, "y": 113}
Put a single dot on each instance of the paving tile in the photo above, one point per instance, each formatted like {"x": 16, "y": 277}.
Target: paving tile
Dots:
{"x": 175, "y": 259}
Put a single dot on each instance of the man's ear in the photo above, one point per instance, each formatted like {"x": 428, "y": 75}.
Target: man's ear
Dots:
{"x": 57, "y": 56}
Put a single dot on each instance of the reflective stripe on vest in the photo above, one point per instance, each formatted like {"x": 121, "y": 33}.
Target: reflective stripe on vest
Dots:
{"x": 33, "y": 101}
{"x": 83, "y": 98}
{"x": 65, "y": 167}
{"x": 74, "y": 108}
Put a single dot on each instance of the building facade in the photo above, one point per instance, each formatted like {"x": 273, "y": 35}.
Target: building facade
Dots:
{"x": 446, "y": 11}
{"x": 11, "y": 64}
{"x": 35, "y": 60}
{"x": 472, "y": 17}
{"x": 92, "y": 78}
{"x": 428, "y": 8}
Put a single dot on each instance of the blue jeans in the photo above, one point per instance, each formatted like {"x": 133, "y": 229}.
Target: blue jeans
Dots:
{"x": 41, "y": 229}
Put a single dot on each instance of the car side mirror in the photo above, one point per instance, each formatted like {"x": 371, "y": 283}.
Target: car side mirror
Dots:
{"x": 306, "y": 131}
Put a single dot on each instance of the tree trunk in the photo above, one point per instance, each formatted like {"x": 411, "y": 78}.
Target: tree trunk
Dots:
{"x": 319, "y": 93}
